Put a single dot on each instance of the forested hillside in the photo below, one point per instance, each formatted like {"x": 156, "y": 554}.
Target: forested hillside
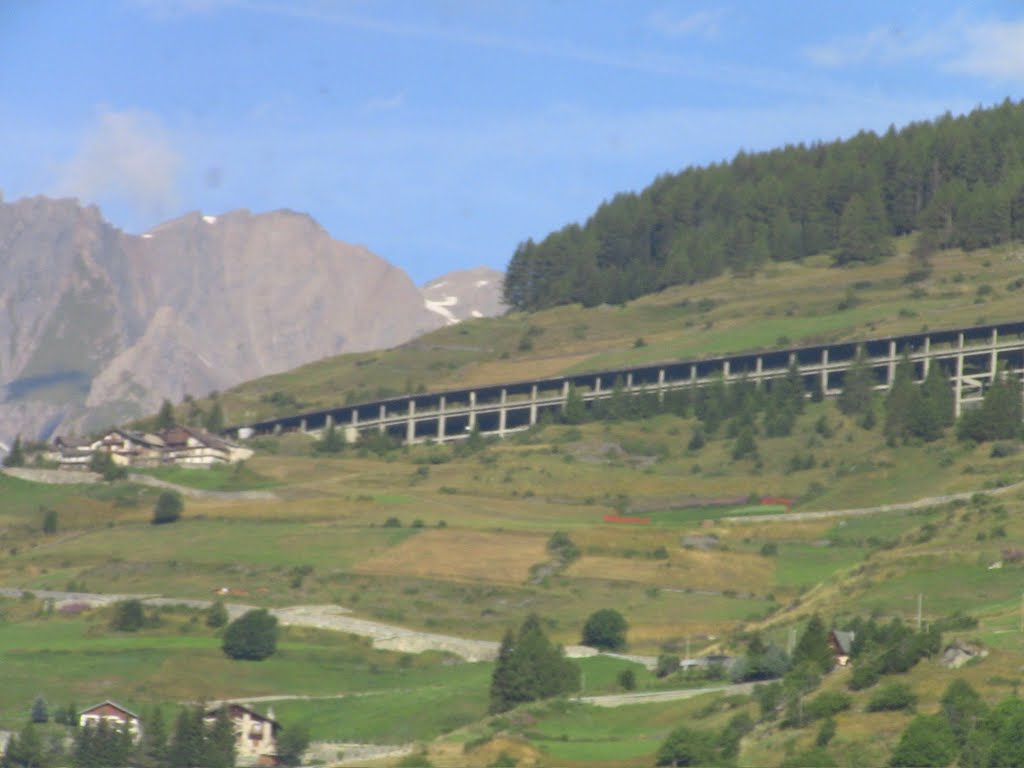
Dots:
{"x": 959, "y": 181}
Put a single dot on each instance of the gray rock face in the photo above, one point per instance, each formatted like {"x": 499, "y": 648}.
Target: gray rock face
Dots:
{"x": 98, "y": 326}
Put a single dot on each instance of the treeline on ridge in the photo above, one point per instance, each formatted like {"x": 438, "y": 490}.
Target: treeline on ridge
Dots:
{"x": 959, "y": 181}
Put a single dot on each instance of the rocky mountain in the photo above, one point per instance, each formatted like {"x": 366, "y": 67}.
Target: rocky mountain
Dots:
{"x": 98, "y": 326}
{"x": 466, "y": 294}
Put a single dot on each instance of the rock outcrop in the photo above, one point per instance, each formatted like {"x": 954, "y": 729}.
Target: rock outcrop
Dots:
{"x": 98, "y": 326}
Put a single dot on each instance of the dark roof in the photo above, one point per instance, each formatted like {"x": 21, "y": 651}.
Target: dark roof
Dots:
{"x": 235, "y": 706}
{"x": 844, "y": 640}
{"x": 109, "y": 703}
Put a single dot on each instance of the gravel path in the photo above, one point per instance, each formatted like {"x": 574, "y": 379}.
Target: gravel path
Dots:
{"x": 650, "y": 697}
{"x": 931, "y": 501}
{"x": 68, "y": 477}
{"x": 330, "y": 617}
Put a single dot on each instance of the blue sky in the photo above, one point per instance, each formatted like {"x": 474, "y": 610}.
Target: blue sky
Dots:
{"x": 441, "y": 133}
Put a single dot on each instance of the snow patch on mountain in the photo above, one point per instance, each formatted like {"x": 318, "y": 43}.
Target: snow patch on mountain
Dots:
{"x": 465, "y": 294}
{"x": 442, "y": 308}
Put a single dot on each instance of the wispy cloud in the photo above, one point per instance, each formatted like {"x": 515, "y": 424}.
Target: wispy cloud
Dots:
{"x": 989, "y": 49}
{"x": 884, "y": 45}
{"x": 703, "y": 23}
{"x": 172, "y": 9}
{"x": 126, "y": 156}
{"x": 385, "y": 104}
{"x": 637, "y": 60}
{"x": 994, "y": 50}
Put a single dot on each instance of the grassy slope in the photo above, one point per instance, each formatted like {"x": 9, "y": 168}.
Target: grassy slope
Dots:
{"x": 481, "y": 522}
{"x": 781, "y": 305}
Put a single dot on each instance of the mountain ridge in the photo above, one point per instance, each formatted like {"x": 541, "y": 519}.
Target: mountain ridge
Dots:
{"x": 102, "y": 325}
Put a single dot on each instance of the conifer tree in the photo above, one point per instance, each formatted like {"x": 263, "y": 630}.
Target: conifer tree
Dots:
{"x": 16, "y": 457}
{"x": 858, "y": 388}
{"x": 153, "y": 746}
{"x": 220, "y": 742}
{"x": 530, "y": 667}
{"x": 502, "y": 685}
{"x": 813, "y": 646}
{"x": 902, "y": 402}
{"x": 186, "y": 747}
{"x": 934, "y": 407}
{"x": 214, "y": 421}
{"x": 165, "y": 416}
{"x": 575, "y": 410}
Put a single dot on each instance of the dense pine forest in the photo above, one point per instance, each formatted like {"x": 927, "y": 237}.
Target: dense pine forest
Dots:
{"x": 958, "y": 181}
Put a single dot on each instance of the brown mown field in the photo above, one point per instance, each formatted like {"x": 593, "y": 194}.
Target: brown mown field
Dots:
{"x": 462, "y": 556}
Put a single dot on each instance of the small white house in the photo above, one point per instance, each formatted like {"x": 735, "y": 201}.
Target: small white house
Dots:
{"x": 114, "y": 715}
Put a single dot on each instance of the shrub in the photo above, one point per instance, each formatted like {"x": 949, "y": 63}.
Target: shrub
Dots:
{"x": 667, "y": 665}
{"x": 50, "y": 522}
{"x": 168, "y": 508}
{"x": 605, "y": 629}
{"x": 627, "y": 680}
{"x": 102, "y": 463}
{"x": 128, "y": 616}
{"x": 827, "y": 704}
{"x": 893, "y": 696}
{"x": 216, "y": 615}
{"x": 39, "y": 713}
{"x": 291, "y": 744}
{"x": 686, "y": 746}
{"x": 251, "y": 637}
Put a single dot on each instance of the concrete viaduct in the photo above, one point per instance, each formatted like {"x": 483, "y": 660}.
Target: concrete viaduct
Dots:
{"x": 970, "y": 356}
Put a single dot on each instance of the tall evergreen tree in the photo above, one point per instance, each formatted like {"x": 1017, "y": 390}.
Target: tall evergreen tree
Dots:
{"x": 902, "y": 401}
{"x": 153, "y": 745}
{"x": 220, "y": 742}
{"x": 165, "y": 416}
{"x": 813, "y": 646}
{"x": 214, "y": 421}
{"x": 530, "y": 667}
{"x": 858, "y": 387}
{"x": 186, "y": 747}
{"x": 999, "y": 417}
{"x": 16, "y": 456}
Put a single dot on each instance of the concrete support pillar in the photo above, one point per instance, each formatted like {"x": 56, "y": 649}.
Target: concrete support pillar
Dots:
{"x": 329, "y": 421}
{"x": 597, "y": 385}
{"x": 824, "y": 371}
{"x": 302, "y": 426}
{"x": 693, "y": 375}
{"x": 993, "y": 365}
{"x": 441, "y": 419}
{"x": 533, "y": 405}
{"x": 926, "y": 365}
{"x": 958, "y": 382}
{"x": 565, "y": 393}
{"x": 472, "y": 411}
{"x": 410, "y": 423}
{"x": 725, "y": 370}
{"x": 277, "y": 428}
{"x": 890, "y": 371}
{"x": 502, "y": 412}
{"x": 759, "y": 371}
{"x": 661, "y": 385}
{"x": 354, "y": 419}
{"x": 383, "y": 414}
{"x": 629, "y": 380}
